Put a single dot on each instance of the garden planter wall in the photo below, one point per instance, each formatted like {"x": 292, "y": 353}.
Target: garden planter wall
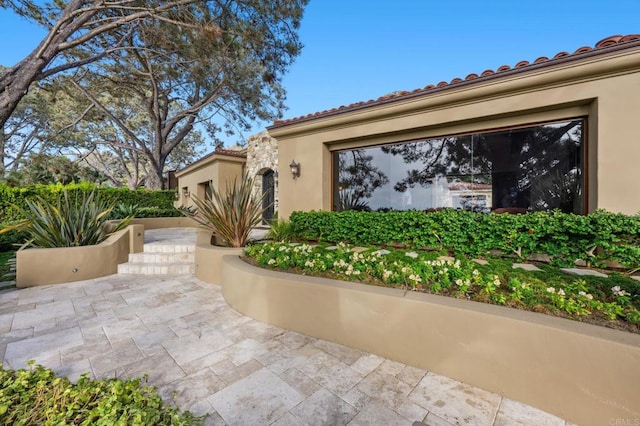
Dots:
{"x": 165, "y": 222}
{"x": 40, "y": 266}
{"x": 583, "y": 373}
{"x": 209, "y": 258}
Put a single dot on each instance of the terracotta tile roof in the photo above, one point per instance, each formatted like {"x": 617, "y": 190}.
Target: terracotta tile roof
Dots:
{"x": 218, "y": 151}
{"x": 607, "y": 43}
{"x": 230, "y": 152}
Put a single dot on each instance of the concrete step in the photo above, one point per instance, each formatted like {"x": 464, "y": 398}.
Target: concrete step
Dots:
{"x": 162, "y": 257}
{"x": 156, "y": 269}
{"x": 169, "y": 248}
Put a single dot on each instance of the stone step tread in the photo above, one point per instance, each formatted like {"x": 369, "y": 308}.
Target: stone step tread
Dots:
{"x": 146, "y": 269}
{"x": 162, "y": 258}
{"x": 169, "y": 248}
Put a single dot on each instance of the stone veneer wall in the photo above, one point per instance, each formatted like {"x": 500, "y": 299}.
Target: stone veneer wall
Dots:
{"x": 262, "y": 154}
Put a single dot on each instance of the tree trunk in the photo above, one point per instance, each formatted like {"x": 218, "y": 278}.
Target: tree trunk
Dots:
{"x": 154, "y": 178}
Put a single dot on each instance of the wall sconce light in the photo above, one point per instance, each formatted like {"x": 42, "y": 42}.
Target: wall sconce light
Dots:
{"x": 185, "y": 192}
{"x": 295, "y": 169}
{"x": 177, "y": 196}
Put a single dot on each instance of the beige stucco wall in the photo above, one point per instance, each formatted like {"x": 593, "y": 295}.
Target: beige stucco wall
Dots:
{"x": 583, "y": 373}
{"x": 165, "y": 222}
{"x": 219, "y": 169}
{"x": 40, "y": 266}
{"x": 605, "y": 88}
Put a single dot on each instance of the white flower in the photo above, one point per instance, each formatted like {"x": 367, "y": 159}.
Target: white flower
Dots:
{"x": 561, "y": 292}
{"x": 475, "y": 273}
{"x": 617, "y": 291}
{"x": 271, "y": 261}
{"x": 411, "y": 254}
{"x": 585, "y": 294}
{"x": 459, "y": 282}
{"x": 551, "y": 290}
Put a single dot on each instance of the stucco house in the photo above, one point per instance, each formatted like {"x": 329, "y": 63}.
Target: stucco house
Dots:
{"x": 259, "y": 159}
{"x": 555, "y": 133}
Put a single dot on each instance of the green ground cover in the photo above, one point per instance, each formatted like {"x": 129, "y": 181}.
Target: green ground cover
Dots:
{"x": 612, "y": 302}
{"x": 37, "y": 396}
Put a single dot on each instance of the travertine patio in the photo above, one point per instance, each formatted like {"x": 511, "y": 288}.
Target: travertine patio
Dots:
{"x": 191, "y": 344}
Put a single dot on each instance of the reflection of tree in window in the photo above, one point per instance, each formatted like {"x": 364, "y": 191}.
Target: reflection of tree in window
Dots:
{"x": 357, "y": 179}
{"x": 452, "y": 157}
{"x": 535, "y": 168}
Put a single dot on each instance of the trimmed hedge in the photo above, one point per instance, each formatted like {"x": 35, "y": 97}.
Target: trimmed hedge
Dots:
{"x": 596, "y": 238}
{"x": 150, "y": 203}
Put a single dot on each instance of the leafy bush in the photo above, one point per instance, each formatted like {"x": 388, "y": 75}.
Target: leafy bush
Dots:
{"x": 280, "y": 230}
{"x": 7, "y": 266}
{"x": 125, "y": 210}
{"x": 13, "y": 199}
{"x": 602, "y": 300}
{"x": 596, "y": 238}
{"x": 38, "y": 397}
{"x": 158, "y": 212}
{"x": 10, "y": 240}
{"x": 144, "y": 212}
{"x": 230, "y": 215}
{"x": 72, "y": 221}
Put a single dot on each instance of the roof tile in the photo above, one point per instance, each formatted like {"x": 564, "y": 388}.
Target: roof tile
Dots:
{"x": 605, "y": 43}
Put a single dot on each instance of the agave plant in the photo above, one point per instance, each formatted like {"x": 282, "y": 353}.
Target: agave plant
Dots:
{"x": 231, "y": 214}
{"x": 72, "y": 221}
{"x": 125, "y": 210}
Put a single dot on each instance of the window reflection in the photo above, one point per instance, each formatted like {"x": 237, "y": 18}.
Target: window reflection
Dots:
{"x": 529, "y": 169}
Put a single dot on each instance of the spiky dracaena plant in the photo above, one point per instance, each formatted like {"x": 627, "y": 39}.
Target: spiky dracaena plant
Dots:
{"x": 231, "y": 214}
{"x": 72, "y": 221}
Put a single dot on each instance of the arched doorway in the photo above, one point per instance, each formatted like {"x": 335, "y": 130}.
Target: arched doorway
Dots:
{"x": 268, "y": 191}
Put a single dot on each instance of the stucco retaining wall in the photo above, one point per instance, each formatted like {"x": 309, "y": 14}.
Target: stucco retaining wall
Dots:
{"x": 583, "y": 373}
{"x": 44, "y": 266}
{"x": 209, "y": 258}
{"x": 165, "y": 222}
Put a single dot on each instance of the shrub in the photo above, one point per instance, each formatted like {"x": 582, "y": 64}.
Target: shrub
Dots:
{"x": 230, "y": 215}
{"x": 7, "y": 266}
{"x": 280, "y": 230}
{"x": 10, "y": 240}
{"x": 595, "y": 238}
{"x": 72, "y": 221}
{"x": 13, "y": 199}
{"x": 38, "y": 396}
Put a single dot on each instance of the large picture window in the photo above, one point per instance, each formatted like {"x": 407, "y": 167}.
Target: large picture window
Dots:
{"x": 531, "y": 168}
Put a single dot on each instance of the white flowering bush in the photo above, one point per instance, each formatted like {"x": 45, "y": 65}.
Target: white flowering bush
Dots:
{"x": 496, "y": 283}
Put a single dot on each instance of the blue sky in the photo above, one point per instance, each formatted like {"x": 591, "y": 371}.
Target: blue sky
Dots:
{"x": 356, "y": 50}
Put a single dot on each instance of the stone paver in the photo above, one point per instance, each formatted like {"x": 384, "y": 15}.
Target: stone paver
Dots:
{"x": 210, "y": 359}
{"x": 526, "y": 266}
{"x": 579, "y": 271}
